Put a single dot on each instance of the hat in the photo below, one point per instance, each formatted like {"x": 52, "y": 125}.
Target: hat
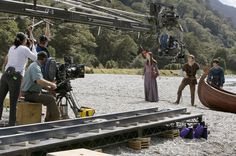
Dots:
{"x": 216, "y": 61}
{"x": 43, "y": 38}
{"x": 192, "y": 56}
{"x": 21, "y": 36}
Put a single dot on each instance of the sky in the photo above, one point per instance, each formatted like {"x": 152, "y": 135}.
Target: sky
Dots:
{"x": 229, "y": 2}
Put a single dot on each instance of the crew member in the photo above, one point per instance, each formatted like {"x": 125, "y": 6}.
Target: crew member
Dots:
{"x": 16, "y": 61}
{"x": 190, "y": 70}
{"x": 43, "y": 41}
{"x": 216, "y": 75}
{"x": 34, "y": 83}
{"x": 42, "y": 44}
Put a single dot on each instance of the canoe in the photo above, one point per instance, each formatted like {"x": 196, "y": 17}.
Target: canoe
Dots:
{"x": 216, "y": 99}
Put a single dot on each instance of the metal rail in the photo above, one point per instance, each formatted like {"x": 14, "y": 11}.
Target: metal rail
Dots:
{"x": 63, "y": 130}
{"x": 60, "y": 123}
{"x": 85, "y": 132}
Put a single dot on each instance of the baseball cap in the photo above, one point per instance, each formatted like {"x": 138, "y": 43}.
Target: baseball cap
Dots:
{"x": 43, "y": 38}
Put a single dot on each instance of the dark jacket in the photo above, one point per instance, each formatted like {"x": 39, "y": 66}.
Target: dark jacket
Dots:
{"x": 216, "y": 77}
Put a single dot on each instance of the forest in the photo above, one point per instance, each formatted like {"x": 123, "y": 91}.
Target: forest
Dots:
{"x": 207, "y": 35}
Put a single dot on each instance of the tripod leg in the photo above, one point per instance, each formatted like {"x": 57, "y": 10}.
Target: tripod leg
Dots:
{"x": 73, "y": 105}
{"x": 69, "y": 100}
{"x": 63, "y": 107}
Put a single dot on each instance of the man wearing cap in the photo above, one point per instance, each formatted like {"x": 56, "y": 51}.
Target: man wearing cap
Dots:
{"x": 190, "y": 70}
{"x": 34, "y": 83}
{"x": 216, "y": 75}
{"x": 42, "y": 45}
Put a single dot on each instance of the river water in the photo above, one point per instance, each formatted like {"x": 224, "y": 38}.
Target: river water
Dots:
{"x": 230, "y": 84}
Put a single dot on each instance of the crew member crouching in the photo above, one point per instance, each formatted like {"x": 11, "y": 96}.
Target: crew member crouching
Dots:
{"x": 34, "y": 83}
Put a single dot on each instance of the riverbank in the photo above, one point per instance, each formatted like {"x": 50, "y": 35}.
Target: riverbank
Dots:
{"x": 140, "y": 72}
{"x": 134, "y": 72}
{"x": 119, "y": 93}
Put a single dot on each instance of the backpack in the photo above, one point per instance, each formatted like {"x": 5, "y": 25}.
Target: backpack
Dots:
{"x": 49, "y": 69}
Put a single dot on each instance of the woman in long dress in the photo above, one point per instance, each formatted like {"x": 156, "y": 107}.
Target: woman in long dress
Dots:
{"x": 151, "y": 72}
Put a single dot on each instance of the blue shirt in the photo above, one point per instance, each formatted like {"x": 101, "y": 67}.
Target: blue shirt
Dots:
{"x": 32, "y": 74}
{"x": 39, "y": 49}
{"x": 216, "y": 76}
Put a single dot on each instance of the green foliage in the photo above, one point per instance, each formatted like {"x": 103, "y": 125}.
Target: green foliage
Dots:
{"x": 111, "y": 64}
{"x": 231, "y": 63}
{"x": 8, "y": 30}
{"x": 72, "y": 39}
{"x": 52, "y": 51}
{"x": 138, "y": 62}
{"x": 207, "y": 35}
{"x": 116, "y": 46}
{"x": 172, "y": 66}
{"x": 90, "y": 60}
{"x": 223, "y": 63}
{"x": 221, "y": 53}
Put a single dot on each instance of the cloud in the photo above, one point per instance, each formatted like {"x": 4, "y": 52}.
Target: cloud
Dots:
{"x": 229, "y": 2}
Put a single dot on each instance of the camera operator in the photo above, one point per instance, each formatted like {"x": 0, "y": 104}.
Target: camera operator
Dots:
{"x": 34, "y": 83}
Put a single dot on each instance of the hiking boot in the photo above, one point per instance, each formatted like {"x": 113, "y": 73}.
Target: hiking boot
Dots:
{"x": 176, "y": 102}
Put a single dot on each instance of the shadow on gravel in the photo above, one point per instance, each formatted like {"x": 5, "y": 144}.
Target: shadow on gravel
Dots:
{"x": 138, "y": 102}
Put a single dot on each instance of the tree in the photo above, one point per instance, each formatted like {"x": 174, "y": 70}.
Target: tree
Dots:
{"x": 73, "y": 39}
{"x": 8, "y": 31}
{"x": 221, "y": 53}
{"x": 232, "y": 62}
{"x": 126, "y": 51}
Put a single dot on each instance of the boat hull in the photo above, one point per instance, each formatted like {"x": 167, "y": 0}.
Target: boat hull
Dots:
{"x": 216, "y": 99}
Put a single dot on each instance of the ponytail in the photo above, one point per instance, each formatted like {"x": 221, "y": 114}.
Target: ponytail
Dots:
{"x": 20, "y": 37}
{"x": 17, "y": 42}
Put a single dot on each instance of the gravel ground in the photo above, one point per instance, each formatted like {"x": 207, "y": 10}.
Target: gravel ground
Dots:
{"x": 117, "y": 93}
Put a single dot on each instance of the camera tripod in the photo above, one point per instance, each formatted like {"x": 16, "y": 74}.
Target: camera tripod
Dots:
{"x": 65, "y": 99}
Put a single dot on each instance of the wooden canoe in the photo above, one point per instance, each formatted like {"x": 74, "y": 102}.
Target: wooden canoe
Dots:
{"x": 216, "y": 99}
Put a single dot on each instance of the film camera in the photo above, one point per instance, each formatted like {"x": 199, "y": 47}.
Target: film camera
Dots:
{"x": 63, "y": 73}
{"x": 65, "y": 96}
{"x": 66, "y": 72}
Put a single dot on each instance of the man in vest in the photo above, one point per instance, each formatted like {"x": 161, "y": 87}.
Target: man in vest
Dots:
{"x": 190, "y": 70}
{"x": 34, "y": 83}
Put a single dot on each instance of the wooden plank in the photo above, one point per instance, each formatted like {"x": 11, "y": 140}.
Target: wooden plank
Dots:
{"x": 78, "y": 152}
{"x": 28, "y": 113}
{"x": 139, "y": 143}
{"x": 170, "y": 134}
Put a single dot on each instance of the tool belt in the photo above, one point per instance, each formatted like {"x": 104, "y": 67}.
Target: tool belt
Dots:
{"x": 11, "y": 72}
{"x": 190, "y": 80}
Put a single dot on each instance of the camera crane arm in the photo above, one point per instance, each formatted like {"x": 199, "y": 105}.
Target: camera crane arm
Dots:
{"x": 32, "y": 10}
{"x": 91, "y": 14}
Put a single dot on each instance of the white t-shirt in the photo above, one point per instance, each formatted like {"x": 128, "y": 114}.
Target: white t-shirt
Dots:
{"x": 18, "y": 57}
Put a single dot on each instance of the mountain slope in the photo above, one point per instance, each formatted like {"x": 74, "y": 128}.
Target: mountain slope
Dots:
{"x": 225, "y": 10}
